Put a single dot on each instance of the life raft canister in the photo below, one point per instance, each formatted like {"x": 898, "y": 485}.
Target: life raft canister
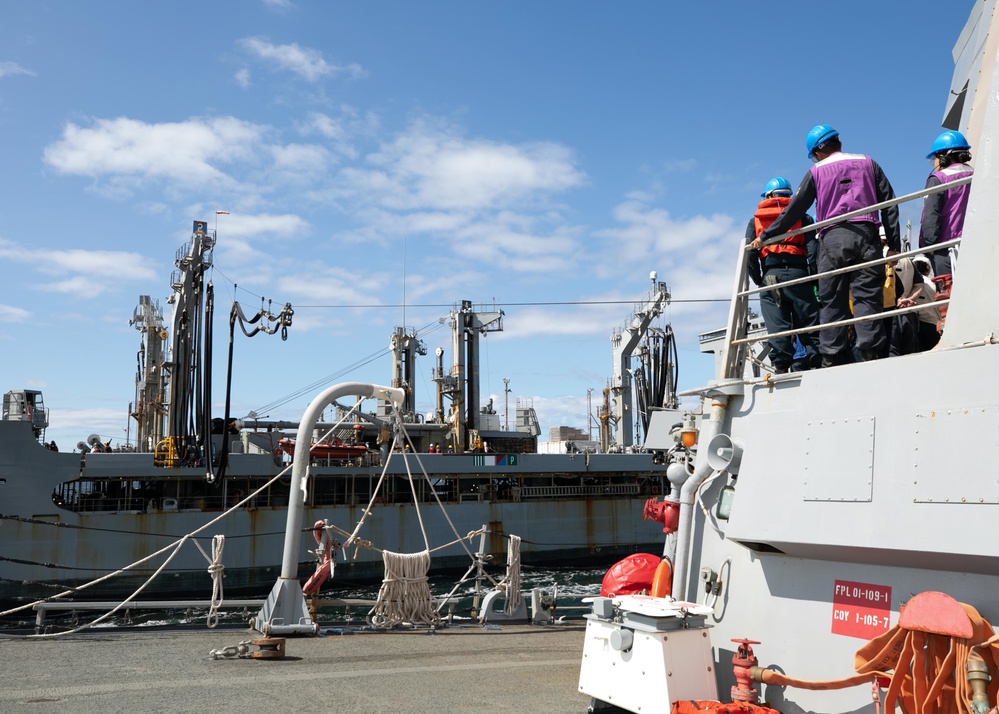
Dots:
{"x": 766, "y": 213}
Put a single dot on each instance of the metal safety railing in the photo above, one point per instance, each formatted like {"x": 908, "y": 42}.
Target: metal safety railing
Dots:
{"x": 737, "y": 338}
{"x": 625, "y": 489}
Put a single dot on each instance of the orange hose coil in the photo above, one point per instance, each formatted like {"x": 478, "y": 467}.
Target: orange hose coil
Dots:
{"x": 926, "y": 669}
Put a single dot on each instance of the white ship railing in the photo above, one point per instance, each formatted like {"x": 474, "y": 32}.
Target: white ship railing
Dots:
{"x": 43, "y": 608}
{"x": 108, "y": 495}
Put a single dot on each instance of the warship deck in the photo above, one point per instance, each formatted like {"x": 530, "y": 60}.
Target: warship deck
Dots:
{"x": 513, "y": 668}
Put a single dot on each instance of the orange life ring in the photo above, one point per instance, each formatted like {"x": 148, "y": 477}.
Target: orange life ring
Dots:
{"x": 662, "y": 582}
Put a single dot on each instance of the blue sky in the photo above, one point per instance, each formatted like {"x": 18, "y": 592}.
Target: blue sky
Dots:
{"x": 504, "y": 153}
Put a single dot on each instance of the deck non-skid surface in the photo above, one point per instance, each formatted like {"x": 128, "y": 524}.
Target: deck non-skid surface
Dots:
{"x": 467, "y": 669}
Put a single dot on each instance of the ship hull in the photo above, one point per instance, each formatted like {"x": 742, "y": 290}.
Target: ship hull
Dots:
{"x": 69, "y": 519}
{"x": 845, "y": 508}
{"x": 552, "y": 534}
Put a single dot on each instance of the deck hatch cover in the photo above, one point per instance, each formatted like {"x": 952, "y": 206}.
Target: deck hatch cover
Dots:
{"x": 965, "y": 471}
{"x": 839, "y": 460}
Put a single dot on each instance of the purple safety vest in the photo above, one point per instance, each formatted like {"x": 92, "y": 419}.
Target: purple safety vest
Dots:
{"x": 955, "y": 202}
{"x": 844, "y": 183}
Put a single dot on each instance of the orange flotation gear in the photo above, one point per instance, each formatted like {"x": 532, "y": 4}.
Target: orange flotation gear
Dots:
{"x": 662, "y": 582}
{"x": 702, "y": 706}
{"x": 766, "y": 213}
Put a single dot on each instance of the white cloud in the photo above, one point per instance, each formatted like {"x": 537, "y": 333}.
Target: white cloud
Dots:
{"x": 443, "y": 285}
{"x": 679, "y": 165}
{"x": 342, "y": 129}
{"x": 326, "y": 125}
{"x": 491, "y": 202}
{"x": 651, "y": 235}
{"x": 558, "y": 411}
{"x": 306, "y": 62}
{"x": 71, "y": 426}
{"x": 79, "y": 285}
{"x": 695, "y": 257}
{"x": 189, "y": 152}
{"x": 504, "y": 245}
{"x": 332, "y": 285}
{"x": 279, "y": 5}
{"x": 253, "y": 226}
{"x": 432, "y": 222}
{"x": 9, "y": 313}
{"x": 427, "y": 167}
{"x": 84, "y": 273}
{"x": 242, "y": 78}
{"x": 9, "y": 69}
{"x": 300, "y": 159}
{"x": 247, "y": 240}
{"x": 518, "y": 242}
{"x": 579, "y": 320}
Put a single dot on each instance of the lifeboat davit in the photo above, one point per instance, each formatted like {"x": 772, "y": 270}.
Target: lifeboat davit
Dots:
{"x": 326, "y": 450}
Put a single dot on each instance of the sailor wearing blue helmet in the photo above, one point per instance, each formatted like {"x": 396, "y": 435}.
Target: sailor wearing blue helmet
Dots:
{"x": 943, "y": 212}
{"x": 817, "y": 138}
{"x": 947, "y": 142}
{"x": 839, "y": 183}
{"x": 785, "y": 308}
{"x": 779, "y": 186}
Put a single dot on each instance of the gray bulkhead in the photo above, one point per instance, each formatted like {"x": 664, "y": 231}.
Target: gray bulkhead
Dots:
{"x": 878, "y": 477}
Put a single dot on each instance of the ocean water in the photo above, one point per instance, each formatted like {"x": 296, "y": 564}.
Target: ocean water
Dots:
{"x": 567, "y": 585}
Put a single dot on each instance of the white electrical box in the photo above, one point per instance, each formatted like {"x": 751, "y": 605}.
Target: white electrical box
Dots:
{"x": 653, "y": 652}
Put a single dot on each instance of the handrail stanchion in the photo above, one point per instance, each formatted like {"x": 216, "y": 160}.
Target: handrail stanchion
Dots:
{"x": 734, "y": 355}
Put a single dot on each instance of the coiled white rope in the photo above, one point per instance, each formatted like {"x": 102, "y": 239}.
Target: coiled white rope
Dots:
{"x": 215, "y": 569}
{"x": 404, "y": 596}
{"x": 511, "y": 583}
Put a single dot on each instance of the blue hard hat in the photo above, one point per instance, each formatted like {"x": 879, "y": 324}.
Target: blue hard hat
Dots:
{"x": 947, "y": 141}
{"x": 820, "y": 134}
{"x": 777, "y": 184}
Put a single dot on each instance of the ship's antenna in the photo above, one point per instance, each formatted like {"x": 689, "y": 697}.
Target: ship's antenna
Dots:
{"x": 405, "y": 242}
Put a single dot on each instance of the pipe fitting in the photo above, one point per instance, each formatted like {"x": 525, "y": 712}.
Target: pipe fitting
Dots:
{"x": 978, "y": 677}
{"x": 743, "y": 662}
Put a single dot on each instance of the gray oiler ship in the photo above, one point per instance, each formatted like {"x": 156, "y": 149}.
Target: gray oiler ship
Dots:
{"x": 67, "y": 518}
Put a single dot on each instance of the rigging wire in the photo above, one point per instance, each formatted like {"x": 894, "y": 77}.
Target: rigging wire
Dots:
{"x": 330, "y": 378}
{"x": 73, "y": 526}
{"x": 537, "y": 303}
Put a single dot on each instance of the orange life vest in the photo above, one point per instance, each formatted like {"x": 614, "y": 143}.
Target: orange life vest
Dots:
{"x": 766, "y": 214}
